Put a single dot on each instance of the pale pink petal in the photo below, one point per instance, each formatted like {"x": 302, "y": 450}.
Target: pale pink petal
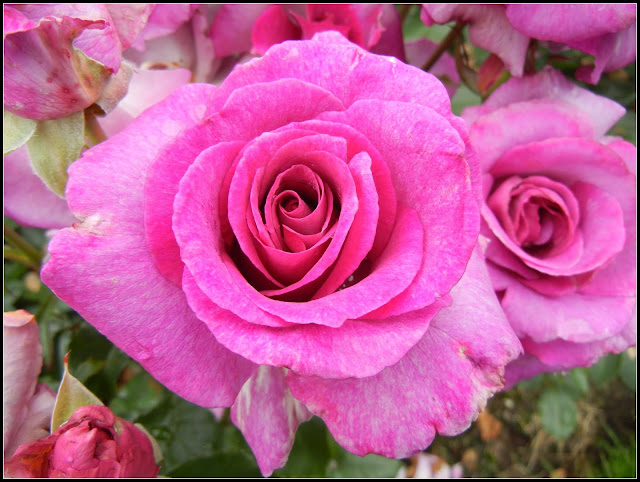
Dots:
{"x": 37, "y": 422}
{"x": 147, "y": 87}
{"x": 268, "y": 416}
{"x": 27, "y": 200}
{"x": 574, "y": 317}
{"x": 21, "y": 364}
{"x": 565, "y": 23}
{"x": 136, "y": 308}
{"x": 440, "y": 385}
{"x": 547, "y": 85}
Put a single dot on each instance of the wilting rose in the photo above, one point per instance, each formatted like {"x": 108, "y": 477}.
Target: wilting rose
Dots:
{"x": 608, "y": 32}
{"x": 560, "y": 215}
{"x": 291, "y": 243}
{"x": 59, "y": 58}
{"x": 93, "y": 443}
{"x": 254, "y": 28}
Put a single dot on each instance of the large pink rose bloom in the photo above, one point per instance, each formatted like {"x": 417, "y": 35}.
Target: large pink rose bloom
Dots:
{"x": 560, "y": 216}
{"x": 93, "y": 443}
{"x": 254, "y": 28}
{"x": 608, "y": 32}
{"x": 292, "y": 243}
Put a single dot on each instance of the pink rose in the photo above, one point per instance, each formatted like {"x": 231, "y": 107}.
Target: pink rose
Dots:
{"x": 93, "y": 443}
{"x": 291, "y": 243}
{"x": 255, "y": 28}
{"x": 608, "y": 32}
{"x": 560, "y": 216}
{"x": 58, "y": 58}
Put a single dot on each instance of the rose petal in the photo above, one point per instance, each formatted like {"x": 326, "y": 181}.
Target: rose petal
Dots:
{"x": 268, "y": 417}
{"x": 109, "y": 238}
{"x": 21, "y": 364}
{"x": 350, "y": 351}
{"x": 441, "y": 384}
{"x": 27, "y": 200}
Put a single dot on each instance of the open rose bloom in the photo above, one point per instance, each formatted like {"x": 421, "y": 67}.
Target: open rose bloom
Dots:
{"x": 560, "y": 216}
{"x": 300, "y": 240}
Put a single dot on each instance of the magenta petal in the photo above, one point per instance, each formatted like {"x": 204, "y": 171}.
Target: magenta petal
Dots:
{"x": 27, "y": 200}
{"x": 441, "y": 384}
{"x": 272, "y": 27}
{"x": 124, "y": 296}
{"x": 383, "y": 28}
{"x": 349, "y": 351}
{"x": 449, "y": 216}
{"x": 268, "y": 416}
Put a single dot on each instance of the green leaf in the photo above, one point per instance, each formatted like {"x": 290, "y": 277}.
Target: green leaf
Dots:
{"x": 71, "y": 395}
{"x": 347, "y": 465}
{"x": 558, "y": 413}
{"x": 575, "y": 383}
{"x": 604, "y": 371}
{"x": 54, "y": 146}
{"x": 184, "y": 431}
{"x": 310, "y": 454}
{"x": 628, "y": 371}
{"x": 464, "y": 98}
{"x": 222, "y": 464}
{"x": 137, "y": 397}
{"x": 16, "y": 131}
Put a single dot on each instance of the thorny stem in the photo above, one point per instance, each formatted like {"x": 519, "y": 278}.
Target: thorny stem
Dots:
{"x": 22, "y": 244}
{"x": 444, "y": 45}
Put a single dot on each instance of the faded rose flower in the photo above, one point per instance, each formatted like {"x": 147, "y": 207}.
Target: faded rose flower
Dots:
{"x": 254, "y": 28}
{"x": 293, "y": 242}
{"x": 93, "y": 443}
{"x": 59, "y": 58}
{"x": 560, "y": 216}
{"x": 608, "y": 32}
{"x": 26, "y": 405}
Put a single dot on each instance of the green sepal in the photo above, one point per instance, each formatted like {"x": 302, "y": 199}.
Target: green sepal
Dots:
{"x": 16, "y": 131}
{"x": 54, "y": 146}
{"x": 71, "y": 396}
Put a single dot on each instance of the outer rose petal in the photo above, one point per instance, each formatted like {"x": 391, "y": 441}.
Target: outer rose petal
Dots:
{"x": 26, "y": 198}
{"x": 441, "y": 384}
{"x": 111, "y": 246}
{"x": 567, "y": 23}
{"x": 551, "y": 85}
{"x": 21, "y": 364}
{"x": 268, "y": 416}
{"x": 488, "y": 29}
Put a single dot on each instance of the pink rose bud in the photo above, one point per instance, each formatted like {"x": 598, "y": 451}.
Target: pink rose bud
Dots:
{"x": 93, "y": 443}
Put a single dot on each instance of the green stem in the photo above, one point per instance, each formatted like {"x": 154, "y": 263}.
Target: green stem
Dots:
{"x": 19, "y": 257}
{"x": 47, "y": 342}
{"x": 23, "y": 245}
{"x": 444, "y": 45}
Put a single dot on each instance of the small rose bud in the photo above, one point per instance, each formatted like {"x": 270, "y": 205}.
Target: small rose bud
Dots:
{"x": 93, "y": 443}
